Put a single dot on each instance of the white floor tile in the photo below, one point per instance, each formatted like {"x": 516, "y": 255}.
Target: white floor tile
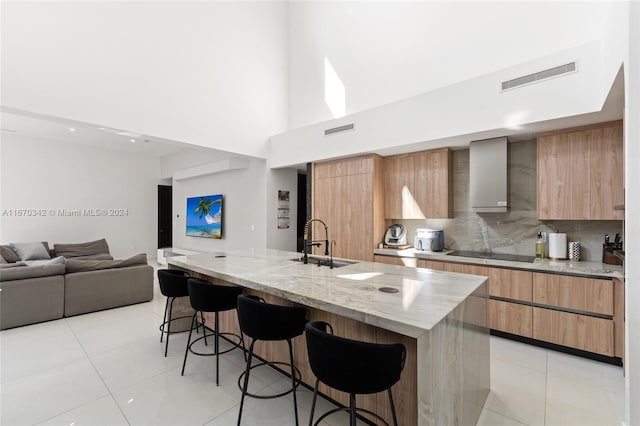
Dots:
{"x": 264, "y": 412}
{"x": 62, "y": 372}
{"x": 586, "y": 371}
{"x": 40, "y": 348}
{"x": 517, "y": 392}
{"x": 522, "y": 354}
{"x": 489, "y": 418}
{"x": 571, "y": 402}
{"x": 114, "y": 333}
{"x": 138, "y": 361}
{"x": 170, "y": 399}
{"x": 104, "y": 411}
{"x": 44, "y": 395}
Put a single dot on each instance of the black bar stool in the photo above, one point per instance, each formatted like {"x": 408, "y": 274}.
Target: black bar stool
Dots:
{"x": 352, "y": 366}
{"x": 263, "y": 321}
{"x": 173, "y": 284}
{"x": 207, "y": 297}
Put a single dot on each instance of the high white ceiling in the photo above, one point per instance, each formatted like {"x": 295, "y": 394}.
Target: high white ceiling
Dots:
{"x": 15, "y": 122}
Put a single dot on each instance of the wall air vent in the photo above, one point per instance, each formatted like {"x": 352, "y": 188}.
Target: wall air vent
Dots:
{"x": 539, "y": 76}
{"x": 338, "y": 129}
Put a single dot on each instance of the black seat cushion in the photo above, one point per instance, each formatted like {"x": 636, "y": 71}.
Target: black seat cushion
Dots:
{"x": 265, "y": 321}
{"x": 350, "y": 365}
{"x": 208, "y": 297}
{"x": 173, "y": 283}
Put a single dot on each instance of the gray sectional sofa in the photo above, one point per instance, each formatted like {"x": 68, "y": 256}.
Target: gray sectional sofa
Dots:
{"x": 76, "y": 279}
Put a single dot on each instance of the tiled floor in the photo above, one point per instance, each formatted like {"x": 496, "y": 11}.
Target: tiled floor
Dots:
{"x": 107, "y": 368}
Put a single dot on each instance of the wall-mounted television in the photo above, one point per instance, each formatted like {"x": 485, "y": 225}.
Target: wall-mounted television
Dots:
{"x": 204, "y": 216}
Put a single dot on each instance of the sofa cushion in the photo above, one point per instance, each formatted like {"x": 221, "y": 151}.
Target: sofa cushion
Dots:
{"x": 55, "y": 261}
{"x": 99, "y": 256}
{"x": 31, "y": 251}
{"x": 8, "y": 254}
{"x": 81, "y": 249}
{"x": 75, "y": 265}
{"x": 13, "y": 265}
{"x": 20, "y": 273}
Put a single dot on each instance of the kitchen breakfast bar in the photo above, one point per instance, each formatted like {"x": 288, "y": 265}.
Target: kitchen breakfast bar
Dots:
{"x": 441, "y": 318}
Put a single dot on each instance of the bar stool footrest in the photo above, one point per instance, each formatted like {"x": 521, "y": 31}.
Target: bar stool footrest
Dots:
{"x": 164, "y": 324}
{"x": 234, "y": 345}
{"x": 361, "y": 410}
{"x": 271, "y": 364}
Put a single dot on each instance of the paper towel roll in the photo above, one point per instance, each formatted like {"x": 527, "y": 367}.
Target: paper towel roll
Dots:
{"x": 557, "y": 246}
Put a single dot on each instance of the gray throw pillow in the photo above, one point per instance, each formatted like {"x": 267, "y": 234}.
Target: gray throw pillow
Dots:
{"x": 8, "y": 254}
{"x": 81, "y": 249}
{"x": 2, "y": 261}
{"x": 31, "y": 251}
{"x": 74, "y": 265}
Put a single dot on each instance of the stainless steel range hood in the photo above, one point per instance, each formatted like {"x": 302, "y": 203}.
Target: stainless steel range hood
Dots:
{"x": 488, "y": 176}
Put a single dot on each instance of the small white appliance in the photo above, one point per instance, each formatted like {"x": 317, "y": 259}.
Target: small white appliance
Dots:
{"x": 429, "y": 240}
{"x": 396, "y": 235}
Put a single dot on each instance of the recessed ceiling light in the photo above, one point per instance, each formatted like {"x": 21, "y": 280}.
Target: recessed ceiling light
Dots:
{"x": 133, "y": 140}
{"x": 72, "y": 129}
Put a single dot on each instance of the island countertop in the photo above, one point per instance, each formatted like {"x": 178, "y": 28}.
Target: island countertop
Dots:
{"x": 423, "y": 299}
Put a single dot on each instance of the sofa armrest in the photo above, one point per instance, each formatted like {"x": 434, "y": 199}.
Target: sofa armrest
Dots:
{"x": 32, "y": 300}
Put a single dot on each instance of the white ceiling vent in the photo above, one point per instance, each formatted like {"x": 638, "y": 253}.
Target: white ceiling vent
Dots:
{"x": 540, "y": 76}
{"x": 339, "y": 129}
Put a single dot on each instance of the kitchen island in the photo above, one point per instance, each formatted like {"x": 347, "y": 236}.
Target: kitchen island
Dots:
{"x": 441, "y": 318}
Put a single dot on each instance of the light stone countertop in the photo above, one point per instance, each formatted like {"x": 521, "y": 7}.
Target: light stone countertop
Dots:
{"x": 582, "y": 268}
{"x": 425, "y": 296}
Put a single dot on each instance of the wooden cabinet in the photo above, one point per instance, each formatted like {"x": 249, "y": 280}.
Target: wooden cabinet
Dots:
{"x": 419, "y": 185}
{"x": 511, "y": 284}
{"x": 577, "y": 331}
{"x": 580, "y": 313}
{"x": 433, "y": 184}
{"x": 510, "y": 317}
{"x": 409, "y": 262}
{"x": 399, "y": 184}
{"x": 574, "y": 293}
{"x": 581, "y": 173}
{"x": 618, "y": 318}
{"x": 430, "y": 264}
{"x": 573, "y": 311}
{"x": 347, "y": 196}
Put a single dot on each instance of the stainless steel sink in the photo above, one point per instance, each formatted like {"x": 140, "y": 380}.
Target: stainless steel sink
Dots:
{"x": 324, "y": 261}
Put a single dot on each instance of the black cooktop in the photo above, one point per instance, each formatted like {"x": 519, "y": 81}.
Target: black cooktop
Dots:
{"x": 496, "y": 256}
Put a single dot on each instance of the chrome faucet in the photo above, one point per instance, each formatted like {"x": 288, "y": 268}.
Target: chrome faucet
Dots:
{"x": 316, "y": 243}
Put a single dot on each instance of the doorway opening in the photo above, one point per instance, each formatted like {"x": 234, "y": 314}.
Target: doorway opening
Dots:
{"x": 165, "y": 221}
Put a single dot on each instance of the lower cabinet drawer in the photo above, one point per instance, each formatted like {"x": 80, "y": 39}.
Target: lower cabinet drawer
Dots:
{"x": 577, "y": 331}
{"x": 510, "y": 317}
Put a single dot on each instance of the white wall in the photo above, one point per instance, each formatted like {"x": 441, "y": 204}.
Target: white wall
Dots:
{"x": 282, "y": 180}
{"x": 632, "y": 215}
{"x": 37, "y": 174}
{"x": 449, "y": 115}
{"x": 386, "y": 51}
{"x": 207, "y": 73}
{"x": 244, "y": 205}
{"x": 249, "y": 201}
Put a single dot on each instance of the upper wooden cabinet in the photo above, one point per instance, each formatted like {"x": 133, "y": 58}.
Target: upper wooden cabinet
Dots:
{"x": 347, "y": 196}
{"x": 399, "y": 183}
{"x": 581, "y": 173}
{"x": 419, "y": 185}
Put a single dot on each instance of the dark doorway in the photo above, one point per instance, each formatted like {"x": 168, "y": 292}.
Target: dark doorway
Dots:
{"x": 165, "y": 220}
{"x": 302, "y": 208}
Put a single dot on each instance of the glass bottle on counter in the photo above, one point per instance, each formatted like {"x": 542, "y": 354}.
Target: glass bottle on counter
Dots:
{"x": 540, "y": 247}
